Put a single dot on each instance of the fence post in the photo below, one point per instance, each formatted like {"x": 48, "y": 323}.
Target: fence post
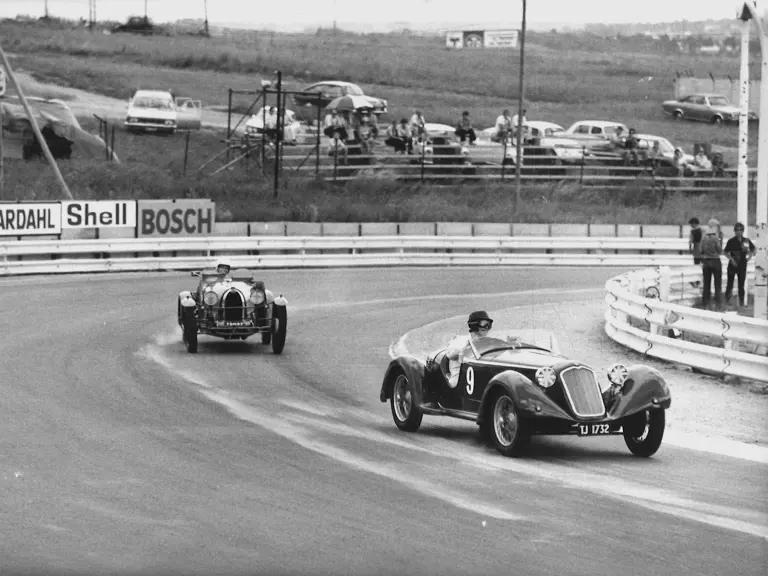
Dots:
{"x": 664, "y": 283}
{"x": 423, "y": 153}
{"x": 581, "y": 167}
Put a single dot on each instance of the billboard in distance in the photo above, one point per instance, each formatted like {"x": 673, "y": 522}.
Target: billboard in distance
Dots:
{"x": 482, "y": 39}
{"x": 30, "y": 218}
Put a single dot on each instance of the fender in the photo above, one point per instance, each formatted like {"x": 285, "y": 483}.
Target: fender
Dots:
{"x": 186, "y": 300}
{"x": 645, "y": 388}
{"x": 528, "y": 397}
{"x": 414, "y": 370}
{"x": 281, "y": 301}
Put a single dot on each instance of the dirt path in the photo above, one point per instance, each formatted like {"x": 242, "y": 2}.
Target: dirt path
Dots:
{"x": 86, "y": 104}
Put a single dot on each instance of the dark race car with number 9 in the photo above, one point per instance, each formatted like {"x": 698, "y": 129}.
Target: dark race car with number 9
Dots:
{"x": 514, "y": 390}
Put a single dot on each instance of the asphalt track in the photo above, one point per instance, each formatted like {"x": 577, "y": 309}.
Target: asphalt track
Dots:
{"x": 123, "y": 454}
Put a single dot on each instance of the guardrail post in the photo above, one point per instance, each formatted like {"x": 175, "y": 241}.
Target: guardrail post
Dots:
{"x": 664, "y": 283}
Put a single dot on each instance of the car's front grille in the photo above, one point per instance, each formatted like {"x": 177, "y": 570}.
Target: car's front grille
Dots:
{"x": 158, "y": 121}
{"x": 233, "y": 307}
{"x": 583, "y": 391}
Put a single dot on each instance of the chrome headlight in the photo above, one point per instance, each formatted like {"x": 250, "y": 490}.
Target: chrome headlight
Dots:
{"x": 210, "y": 298}
{"x": 545, "y": 377}
{"x": 257, "y": 298}
{"x": 618, "y": 374}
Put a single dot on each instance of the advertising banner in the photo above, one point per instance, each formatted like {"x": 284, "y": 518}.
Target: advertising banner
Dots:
{"x": 99, "y": 214}
{"x": 30, "y": 218}
{"x": 187, "y": 217}
{"x": 482, "y": 39}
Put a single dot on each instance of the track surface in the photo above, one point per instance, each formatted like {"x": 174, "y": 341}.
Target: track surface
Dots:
{"x": 121, "y": 453}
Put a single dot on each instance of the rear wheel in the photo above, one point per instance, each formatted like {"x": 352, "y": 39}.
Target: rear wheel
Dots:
{"x": 405, "y": 413}
{"x": 677, "y": 115}
{"x": 644, "y": 431}
{"x": 279, "y": 328}
{"x": 717, "y": 120}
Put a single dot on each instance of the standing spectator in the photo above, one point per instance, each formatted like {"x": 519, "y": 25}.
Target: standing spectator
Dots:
{"x": 521, "y": 128}
{"x": 503, "y": 127}
{"x": 694, "y": 240}
{"x": 712, "y": 268}
{"x": 270, "y": 124}
{"x": 418, "y": 124}
{"x": 739, "y": 250}
{"x": 631, "y": 146}
{"x": 464, "y": 129}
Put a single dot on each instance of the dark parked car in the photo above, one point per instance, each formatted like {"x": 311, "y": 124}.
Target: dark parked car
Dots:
{"x": 514, "y": 390}
{"x": 333, "y": 89}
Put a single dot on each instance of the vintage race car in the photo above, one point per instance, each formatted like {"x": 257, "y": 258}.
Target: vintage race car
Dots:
{"x": 232, "y": 306}
{"x": 514, "y": 390}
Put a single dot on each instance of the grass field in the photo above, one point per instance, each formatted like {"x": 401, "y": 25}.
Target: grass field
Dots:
{"x": 594, "y": 80}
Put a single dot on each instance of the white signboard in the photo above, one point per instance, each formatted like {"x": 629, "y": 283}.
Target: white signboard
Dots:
{"x": 501, "y": 38}
{"x": 99, "y": 214}
{"x": 30, "y": 218}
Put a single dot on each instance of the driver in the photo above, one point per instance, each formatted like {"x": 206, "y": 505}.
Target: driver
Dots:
{"x": 479, "y": 324}
{"x": 223, "y": 268}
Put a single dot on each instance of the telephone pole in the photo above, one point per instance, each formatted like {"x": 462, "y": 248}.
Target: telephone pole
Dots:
{"x": 519, "y": 127}
{"x": 46, "y": 9}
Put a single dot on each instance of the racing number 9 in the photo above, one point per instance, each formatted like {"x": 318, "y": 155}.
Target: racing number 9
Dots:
{"x": 470, "y": 380}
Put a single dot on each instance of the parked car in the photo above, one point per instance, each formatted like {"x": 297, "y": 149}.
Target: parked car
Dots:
{"x": 546, "y": 145}
{"x": 712, "y": 108}
{"x": 292, "y": 127}
{"x": 513, "y": 389}
{"x": 152, "y": 111}
{"x": 332, "y": 89}
{"x": 595, "y": 135}
{"x": 232, "y": 306}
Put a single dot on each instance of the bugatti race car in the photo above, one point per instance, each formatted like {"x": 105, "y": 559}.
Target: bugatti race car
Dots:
{"x": 232, "y": 306}
{"x": 514, "y": 390}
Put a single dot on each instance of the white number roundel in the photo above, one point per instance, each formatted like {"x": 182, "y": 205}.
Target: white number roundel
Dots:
{"x": 470, "y": 380}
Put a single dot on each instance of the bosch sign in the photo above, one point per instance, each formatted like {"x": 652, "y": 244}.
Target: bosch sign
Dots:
{"x": 176, "y": 217}
{"x": 99, "y": 214}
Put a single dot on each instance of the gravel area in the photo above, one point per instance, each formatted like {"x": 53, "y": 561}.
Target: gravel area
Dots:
{"x": 704, "y": 405}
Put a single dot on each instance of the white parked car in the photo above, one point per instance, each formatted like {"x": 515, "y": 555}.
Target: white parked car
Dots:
{"x": 666, "y": 149}
{"x": 551, "y": 141}
{"x": 291, "y": 129}
{"x": 152, "y": 111}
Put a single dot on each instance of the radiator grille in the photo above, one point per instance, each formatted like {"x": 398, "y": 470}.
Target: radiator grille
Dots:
{"x": 233, "y": 306}
{"x": 583, "y": 391}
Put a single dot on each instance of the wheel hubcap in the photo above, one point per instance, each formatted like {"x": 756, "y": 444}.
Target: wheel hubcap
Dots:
{"x": 505, "y": 421}
{"x": 402, "y": 397}
{"x": 644, "y": 425}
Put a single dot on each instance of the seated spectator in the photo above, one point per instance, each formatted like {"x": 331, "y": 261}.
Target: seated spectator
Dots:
{"x": 701, "y": 161}
{"x": 679, "y": 162}
{"x": 335, "y": 123}
{"x": 464, "y": 129}
{"x": 520, "y": 128}
{"x": 337, "y": 144}
{"x": 418, "y": 124}
{"x": 618, "y": 138}
{"x": 631, "y": 147}
{"x": 394, "y": 138}
{"x": 366, "y": 133}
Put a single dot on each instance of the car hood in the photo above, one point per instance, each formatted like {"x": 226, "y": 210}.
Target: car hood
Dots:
{"x": 523, "y": 357}
{"x": 151, "y": 113}
{"x": 727, "y": 109}
{"x": 221, "y": 287}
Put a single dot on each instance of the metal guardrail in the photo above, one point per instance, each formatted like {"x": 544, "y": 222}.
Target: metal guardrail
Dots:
{"x": 653, "y": 298}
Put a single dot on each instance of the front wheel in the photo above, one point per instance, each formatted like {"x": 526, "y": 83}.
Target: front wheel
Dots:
{"x": 506, "y": 429}
{"x": 644, "y": 431}
{"x": 189, "y": 331}
{"x": 279, "y": 328}
{"x": 405, "y": 413}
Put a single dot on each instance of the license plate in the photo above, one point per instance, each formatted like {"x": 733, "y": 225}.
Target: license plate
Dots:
{"x": 220, "y": 323}
{"x": 594, "y": 429}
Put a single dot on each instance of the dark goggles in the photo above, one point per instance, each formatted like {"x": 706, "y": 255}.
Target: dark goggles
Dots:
{"x": 484, "y": 325}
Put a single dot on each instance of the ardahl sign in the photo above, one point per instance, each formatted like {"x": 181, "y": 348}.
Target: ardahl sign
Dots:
{"x": 30, "y": 218}
{"x": 186, "y": 217}
{"x": 99, "y": 214}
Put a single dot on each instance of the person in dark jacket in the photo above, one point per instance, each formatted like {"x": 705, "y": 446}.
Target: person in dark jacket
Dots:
{"x": 712, "y": 267}
{"x": 694, "y": 239}
{"x": 464, "y": 129}
{"x": 739, "y": 250}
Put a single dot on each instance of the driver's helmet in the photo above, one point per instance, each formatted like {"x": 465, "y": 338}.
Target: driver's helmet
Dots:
{"x": 479, "y": 317}
{"x": 223, "y": 268}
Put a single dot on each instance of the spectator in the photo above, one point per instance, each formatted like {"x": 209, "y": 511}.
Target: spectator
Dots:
{"x": 679, "y": 162}
{"x": 503, "y": 127}
{"x": 404, "y": 132}
{"x": 335, "y": 124}
{"x": 701, "y": 161}
{"x": 270, "y": 124}
{"x": 631, "y": 147}
{"x": 618, "y": 137}
{"x": 464, "y": 129}
{"x": 366, "y": 133}
{"x": 520, "y": 128}
{"x": 694, "y": 240}
{"x": 395, "y": 138}
{"x": 739, "y": 250}
{"x": 418, "y": 124}
{"x": 712, "y": 268}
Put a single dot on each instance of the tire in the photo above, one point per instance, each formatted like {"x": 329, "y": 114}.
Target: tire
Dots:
{"x": 644, "y": 431}
{"x": 717, "y": 120}
{"x": 266, "y": 337}
{"x": 189, "y": 332}
{"x": 406, "y": 415}
{"x": 279, "y": 328}
{"x": 505, "y": 428}
{"x": 677, "y": 115}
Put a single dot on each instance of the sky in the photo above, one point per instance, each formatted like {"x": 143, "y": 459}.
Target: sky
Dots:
{"x": 418, "y": 13}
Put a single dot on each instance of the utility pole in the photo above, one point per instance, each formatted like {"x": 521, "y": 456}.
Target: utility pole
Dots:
{"x": 46, "y": 9}
{"x": 279, "y": 130}
{"x": 519, "y": 132}
{"x": 742, "y": 197}
{"x": 761, "y": 218}
{"x": 205, "y": 7}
